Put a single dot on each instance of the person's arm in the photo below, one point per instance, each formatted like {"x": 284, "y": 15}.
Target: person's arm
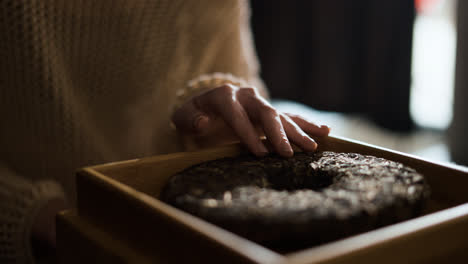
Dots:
{"x": 231, "y": 103}
{"x": 27, "y": 213}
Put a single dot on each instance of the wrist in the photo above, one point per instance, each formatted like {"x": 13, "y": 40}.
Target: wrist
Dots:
{"x": 204, "y": 83}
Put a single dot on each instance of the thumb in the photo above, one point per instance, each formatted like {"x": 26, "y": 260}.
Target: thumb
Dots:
{"x": 189, "y": 119}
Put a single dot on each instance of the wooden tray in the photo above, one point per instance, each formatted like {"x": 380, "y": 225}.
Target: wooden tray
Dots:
{"x": 119, "y": 219}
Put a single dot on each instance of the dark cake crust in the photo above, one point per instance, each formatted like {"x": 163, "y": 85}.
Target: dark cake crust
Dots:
{"x": 307, "y": 199}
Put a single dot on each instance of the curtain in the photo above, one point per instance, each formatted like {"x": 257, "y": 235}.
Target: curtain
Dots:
{"x": 458, "y": 130}
{"x": 339, "y": 55}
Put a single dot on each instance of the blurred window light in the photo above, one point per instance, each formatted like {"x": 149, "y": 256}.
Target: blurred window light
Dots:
{"x": 433, "y": 63}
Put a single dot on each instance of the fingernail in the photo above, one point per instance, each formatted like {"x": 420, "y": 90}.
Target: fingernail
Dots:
{"x": 200, "y": 122}
{"x": 312, "y": 146}
{"x": 325, "y": 127}
{"x": 263, "y": 151}
{"x": 288, "y": 151}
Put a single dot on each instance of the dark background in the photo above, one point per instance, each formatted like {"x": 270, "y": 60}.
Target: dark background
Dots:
{"x": 339, "y": 55}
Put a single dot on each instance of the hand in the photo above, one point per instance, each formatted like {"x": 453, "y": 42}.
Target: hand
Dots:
{"x": 229, "y": 113}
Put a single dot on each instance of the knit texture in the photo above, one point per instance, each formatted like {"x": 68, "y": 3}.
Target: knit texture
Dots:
{"x": 205, "y": 83}
{"x": 85, "y": 82}
{"x": 25, "y": 199}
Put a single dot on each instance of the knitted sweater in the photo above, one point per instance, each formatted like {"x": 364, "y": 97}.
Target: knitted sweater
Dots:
{"x": 85, "y": 82}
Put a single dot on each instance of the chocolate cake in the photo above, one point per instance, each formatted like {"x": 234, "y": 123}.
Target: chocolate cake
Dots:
{"x": 308, "y": 199}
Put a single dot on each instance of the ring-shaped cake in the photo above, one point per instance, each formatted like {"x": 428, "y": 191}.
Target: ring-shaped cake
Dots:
{"x": 307, "y": 199}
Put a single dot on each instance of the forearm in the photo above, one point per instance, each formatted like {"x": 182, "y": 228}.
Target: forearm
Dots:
{"x": 229, "y": 58}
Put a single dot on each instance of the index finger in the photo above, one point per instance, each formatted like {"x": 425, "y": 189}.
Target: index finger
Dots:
{"x": 232, "y": 112}
{"x": 236, "y": 117}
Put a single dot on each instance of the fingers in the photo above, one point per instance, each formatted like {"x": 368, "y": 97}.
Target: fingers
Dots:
{"x": 242, "y": 111}
{"x": 297, "y": 135}
{"x": 190, "y": 119}
{"x": 236, "y": 117}
{"x": 224, "y": 103}
{"x": 309, "y": 127}
{"x": 275, "y": 133}
{"x": 261, "y": 112}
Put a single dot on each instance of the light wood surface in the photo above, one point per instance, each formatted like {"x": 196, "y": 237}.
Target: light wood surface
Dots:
{"x": 120, "y": 199}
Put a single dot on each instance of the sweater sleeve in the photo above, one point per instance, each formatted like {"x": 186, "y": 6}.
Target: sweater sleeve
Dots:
{"x": 20, "y": 202}
{"x": 236, "y": 54}
{"x": 232, "y": 59}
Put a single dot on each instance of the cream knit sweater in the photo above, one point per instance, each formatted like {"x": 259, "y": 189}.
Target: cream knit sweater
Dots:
{"x": 85, "y": 82}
